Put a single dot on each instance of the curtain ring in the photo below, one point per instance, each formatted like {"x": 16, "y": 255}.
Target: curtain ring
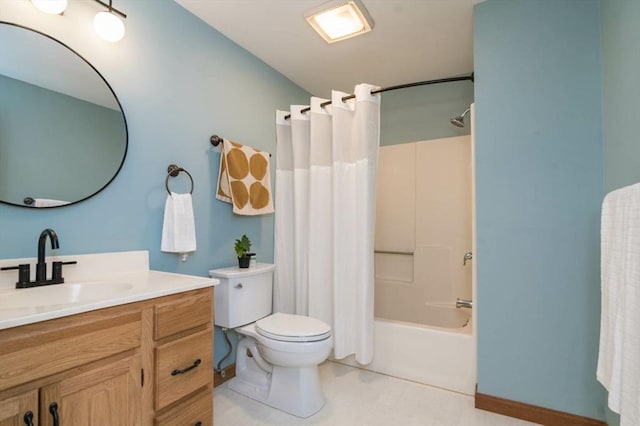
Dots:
{"x": 173, "y": 171}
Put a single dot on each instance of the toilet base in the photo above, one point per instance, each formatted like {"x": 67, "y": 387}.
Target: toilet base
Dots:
{"x": 253, "y": 391}
{"x": 294, "y": 390}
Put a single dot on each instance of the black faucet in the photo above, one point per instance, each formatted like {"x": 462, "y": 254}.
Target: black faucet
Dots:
{"x": 24, "y": 272}
{"x": 41, "y": 266}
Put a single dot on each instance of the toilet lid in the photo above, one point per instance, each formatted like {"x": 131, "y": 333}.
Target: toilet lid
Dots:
{"x": 292, "y": 328}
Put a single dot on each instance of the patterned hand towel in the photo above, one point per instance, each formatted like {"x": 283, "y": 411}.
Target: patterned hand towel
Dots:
{"x": 244, "y": 179}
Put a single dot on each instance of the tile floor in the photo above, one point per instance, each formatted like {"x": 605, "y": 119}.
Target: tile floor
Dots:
{"x": 356, "y": 397}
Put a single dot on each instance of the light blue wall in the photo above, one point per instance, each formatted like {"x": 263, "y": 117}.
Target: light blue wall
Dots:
{"x": 179, "y": 82}
{"x": 65, "y": 136}
{"x": 621, "y": 91}
{"x": 539, "y": 188}
{"x": 423, "y": 112}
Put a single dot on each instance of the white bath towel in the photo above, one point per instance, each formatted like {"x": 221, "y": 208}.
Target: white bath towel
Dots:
{"x": 178, "y": 228}
{"x": 619, "y": 353}
{"x": 47, "y": 202}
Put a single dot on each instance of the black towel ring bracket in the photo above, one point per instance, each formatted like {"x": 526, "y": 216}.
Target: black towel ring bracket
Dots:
{"x": 217, "y": 140}
{"x": 173, "y": 171}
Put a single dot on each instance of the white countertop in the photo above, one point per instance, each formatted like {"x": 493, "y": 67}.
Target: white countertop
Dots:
{"x": 84, "y": 292}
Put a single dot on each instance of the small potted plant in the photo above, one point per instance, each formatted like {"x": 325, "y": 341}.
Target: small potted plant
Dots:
{"x": 242, "y": 247}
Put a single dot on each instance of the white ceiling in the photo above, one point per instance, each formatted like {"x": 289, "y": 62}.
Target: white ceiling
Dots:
{"x": 412, "y": 40}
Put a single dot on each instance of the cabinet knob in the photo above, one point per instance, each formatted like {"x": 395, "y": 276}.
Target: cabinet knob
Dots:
{"x": 28, "y": 418}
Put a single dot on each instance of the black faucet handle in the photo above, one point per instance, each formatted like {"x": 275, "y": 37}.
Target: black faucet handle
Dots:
{"x": 24, "y": 273}
{"x": 10, "y": 268}
{"x": 57, "y": 270}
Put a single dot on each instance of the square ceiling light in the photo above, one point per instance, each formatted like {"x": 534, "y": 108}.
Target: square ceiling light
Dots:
{"x": 340, "y": 19}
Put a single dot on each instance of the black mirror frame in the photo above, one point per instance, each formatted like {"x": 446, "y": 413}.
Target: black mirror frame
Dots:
{"x": 124, "y": 119}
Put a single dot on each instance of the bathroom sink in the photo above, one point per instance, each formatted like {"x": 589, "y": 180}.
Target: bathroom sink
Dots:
{"x": 62, "y": 294}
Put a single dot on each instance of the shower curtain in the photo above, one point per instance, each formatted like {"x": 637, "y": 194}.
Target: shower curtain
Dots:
{"x": 325, "y": 216}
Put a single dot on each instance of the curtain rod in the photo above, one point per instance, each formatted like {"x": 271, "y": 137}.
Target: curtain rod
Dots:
{"x": 399, "y": 86}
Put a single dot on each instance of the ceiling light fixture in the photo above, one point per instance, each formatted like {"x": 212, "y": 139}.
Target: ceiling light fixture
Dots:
{"x": 54, "y": 7}
{"x": 340, "y": 19}
{"x": 107, "y": 24}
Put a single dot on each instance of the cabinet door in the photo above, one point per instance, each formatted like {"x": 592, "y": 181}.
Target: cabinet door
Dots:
{"x": 13, "y": 410}
{"x": 109, "y": 395}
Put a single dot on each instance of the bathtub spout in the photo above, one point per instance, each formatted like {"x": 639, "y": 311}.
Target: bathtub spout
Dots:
{"x": 461, "y": 303}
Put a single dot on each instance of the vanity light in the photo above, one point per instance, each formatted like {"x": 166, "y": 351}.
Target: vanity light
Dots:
{"x": 54, "y": 7}
{"x": 107, "y": 24}
{"x": 340, "y": 19}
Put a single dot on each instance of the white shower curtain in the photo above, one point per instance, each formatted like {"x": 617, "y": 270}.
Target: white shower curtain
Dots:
{"x": 325, "y": 215}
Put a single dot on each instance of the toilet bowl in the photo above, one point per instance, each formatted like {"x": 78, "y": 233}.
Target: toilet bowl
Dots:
{"x": 278, "y": 354}
{"x": 281, "y": 368}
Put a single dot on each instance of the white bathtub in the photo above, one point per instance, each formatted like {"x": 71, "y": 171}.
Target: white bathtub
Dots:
{"x": 436, "y": 356}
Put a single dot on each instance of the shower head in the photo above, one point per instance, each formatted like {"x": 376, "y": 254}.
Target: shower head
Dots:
{"x": 458, "y": 121}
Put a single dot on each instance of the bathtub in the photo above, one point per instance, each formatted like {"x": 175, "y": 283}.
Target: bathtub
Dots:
{"x": 441, "y": 355}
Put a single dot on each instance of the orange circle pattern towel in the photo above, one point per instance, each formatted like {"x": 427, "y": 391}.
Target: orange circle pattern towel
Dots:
{"x": 244, "y": 179}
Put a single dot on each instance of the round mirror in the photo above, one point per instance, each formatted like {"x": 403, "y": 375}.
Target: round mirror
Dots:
{"x": 63, "y": 134}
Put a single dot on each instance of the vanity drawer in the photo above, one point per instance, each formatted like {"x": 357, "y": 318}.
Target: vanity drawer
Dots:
{"x": 38, "y": 350}
{"x": 183, "y": 366}
{"x": 183, "y": 314}
{"x": 198, "y": 408}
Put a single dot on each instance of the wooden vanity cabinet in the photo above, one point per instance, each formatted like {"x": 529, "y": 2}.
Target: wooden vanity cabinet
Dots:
{"x": 110, "y": 367}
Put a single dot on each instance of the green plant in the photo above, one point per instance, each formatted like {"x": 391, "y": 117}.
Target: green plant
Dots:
{"x": 242, "y": 246}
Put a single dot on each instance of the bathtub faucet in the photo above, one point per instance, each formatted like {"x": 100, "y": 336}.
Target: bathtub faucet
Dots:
{"x": 461, "y": 303}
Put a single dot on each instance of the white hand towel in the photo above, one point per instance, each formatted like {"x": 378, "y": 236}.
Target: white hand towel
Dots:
{"x": 619, "y": 352}
{"x": 178, "y": 228}
{"x": 46, "y": 202}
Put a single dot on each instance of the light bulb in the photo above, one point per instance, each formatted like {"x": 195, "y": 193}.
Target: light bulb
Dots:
{"x": 108, "y": 26}
{"x": 54, "y": 7}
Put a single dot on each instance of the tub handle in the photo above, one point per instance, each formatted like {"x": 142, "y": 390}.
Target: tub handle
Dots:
{"x": 406, "y": 253}
{"x": 463, "y": 303}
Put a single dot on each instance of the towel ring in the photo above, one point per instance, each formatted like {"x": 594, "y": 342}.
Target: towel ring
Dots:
{"x": 173, "y": 171}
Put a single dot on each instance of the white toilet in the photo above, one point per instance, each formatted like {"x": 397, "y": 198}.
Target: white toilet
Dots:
{"x": 277, "y": 359}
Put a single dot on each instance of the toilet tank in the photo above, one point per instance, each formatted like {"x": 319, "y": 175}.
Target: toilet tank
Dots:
{"x": 244, "y": 295}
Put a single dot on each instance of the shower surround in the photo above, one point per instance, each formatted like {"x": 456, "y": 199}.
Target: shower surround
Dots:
{"x": 423, "y": 231}
{"x": 423, "y": 228}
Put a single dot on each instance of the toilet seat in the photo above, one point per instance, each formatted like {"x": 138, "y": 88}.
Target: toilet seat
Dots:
{"x": 292, "y": 328}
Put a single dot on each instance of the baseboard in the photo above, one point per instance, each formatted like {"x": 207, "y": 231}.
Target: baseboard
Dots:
{"x": 228, "y": 373}
{"x": 532, "y": 413}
